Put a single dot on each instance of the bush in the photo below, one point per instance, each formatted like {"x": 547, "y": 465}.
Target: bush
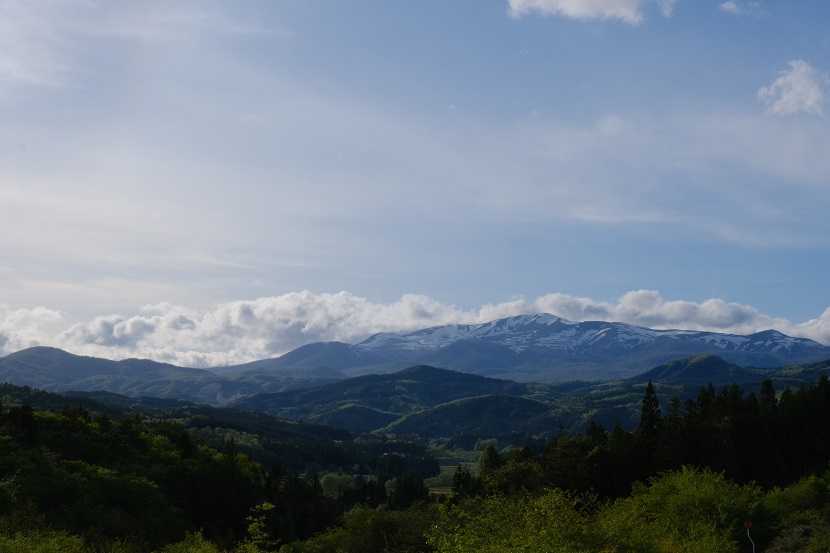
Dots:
{"x": 686, "y": 510}
{"x": 552, "y": 522}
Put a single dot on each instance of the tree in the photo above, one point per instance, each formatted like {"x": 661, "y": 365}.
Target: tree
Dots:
{"x": 464, "y": 484}
{"x": 767, "y": 395}
{"x": 490, "y": 461}
{"x": 650, "y": 415}
{"x": 406, "y": 490}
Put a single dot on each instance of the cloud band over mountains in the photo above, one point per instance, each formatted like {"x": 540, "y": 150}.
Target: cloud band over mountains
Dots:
{"x": 241, "y": 331}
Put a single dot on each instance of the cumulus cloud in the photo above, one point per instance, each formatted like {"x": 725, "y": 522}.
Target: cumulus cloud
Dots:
{"x": 23, "y": 328}
{"x": 648, "y": 308}
{"x": 241, "y": 331}
{"x": 799, "y": 89}
{"x": 629, "y": 11}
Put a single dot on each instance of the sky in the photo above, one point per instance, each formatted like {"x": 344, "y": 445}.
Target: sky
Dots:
{"x": 208, "y": 183}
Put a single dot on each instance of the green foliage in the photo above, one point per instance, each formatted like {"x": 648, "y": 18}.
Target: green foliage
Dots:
{"x": 110, "y": 481}
{"x": 465, "y": 484}
{"x": 552, "y": 522}
{"x": 406, "y": 490}
{"x": 803, "y": 512}
{"x": 521, "y": 471}
{"x": 258, "y": 534}
{"x": 687, "y": 510}
{"x": 490, "y": 461}
{"x": 42, "y": 542}
{"x": 335, "y": 484}
{"x": 193, "y": 543}
{"x": 367, "y": 530}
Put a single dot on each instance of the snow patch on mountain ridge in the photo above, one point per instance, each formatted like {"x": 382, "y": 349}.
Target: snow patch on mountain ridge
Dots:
{"x": 549, "y": 332}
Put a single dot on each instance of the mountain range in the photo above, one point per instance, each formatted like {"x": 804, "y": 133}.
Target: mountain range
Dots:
{"x": 530, "y": 348}
{"x": 55, "y": 370}
{"x": 422, "y": 401}
{"x": 542, "y": 348}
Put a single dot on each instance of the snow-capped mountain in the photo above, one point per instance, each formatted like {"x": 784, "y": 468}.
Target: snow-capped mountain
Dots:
{"x": 524, "y": 332}
{"x": 545, "y": 347}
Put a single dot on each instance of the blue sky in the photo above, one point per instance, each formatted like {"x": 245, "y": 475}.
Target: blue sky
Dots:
{"x": 203, "y": 183}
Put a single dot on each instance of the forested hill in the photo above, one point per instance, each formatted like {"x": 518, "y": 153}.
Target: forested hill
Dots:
{"x": 437, "y": 403}
{"x": 373, "y": 402}
{"x": 421, "y": 401}
{"x": 266, "y": 439}
{"x": 414, "y": 387}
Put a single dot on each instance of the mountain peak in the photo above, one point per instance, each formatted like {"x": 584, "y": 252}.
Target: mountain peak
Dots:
{"x": 547, "y": 347}
{"x": 41, "y": 351}
{"x": 440, "y": 336}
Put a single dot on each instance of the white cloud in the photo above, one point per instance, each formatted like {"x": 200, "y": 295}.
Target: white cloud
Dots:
{"x": 730, "y": 7}
{"x": 23, "y": 328}
{"x": 629, "y": 11}
{"x": 648, "y": 308}
{"x": 240, "y": 331}
{"x": 742, "y": 8}
{"x": 797, "y": 89}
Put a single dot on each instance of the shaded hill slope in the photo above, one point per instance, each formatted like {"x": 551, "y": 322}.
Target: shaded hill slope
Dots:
{"x": 481, "y": 416}
{"x": 380, "y": 397}
{"x": 56, "y": 370}
{"x": 418, "y": 386}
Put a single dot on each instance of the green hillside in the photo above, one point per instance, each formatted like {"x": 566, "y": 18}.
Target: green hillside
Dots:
{"x": 480, "y": 416}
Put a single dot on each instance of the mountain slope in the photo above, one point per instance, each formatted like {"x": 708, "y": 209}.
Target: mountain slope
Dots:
{"x": 547, "y": 348}
{"x": 55, "y": 370}
{"x": 697, "y": 370}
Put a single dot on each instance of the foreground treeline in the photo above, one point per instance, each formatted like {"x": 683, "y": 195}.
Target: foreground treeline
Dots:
{"x": 769, "y": 439}
{"x": 762, "y": 461}
{"x": 687, "y": 478}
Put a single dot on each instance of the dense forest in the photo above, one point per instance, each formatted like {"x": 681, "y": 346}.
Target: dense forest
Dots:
{"x": 725, "y": 471}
